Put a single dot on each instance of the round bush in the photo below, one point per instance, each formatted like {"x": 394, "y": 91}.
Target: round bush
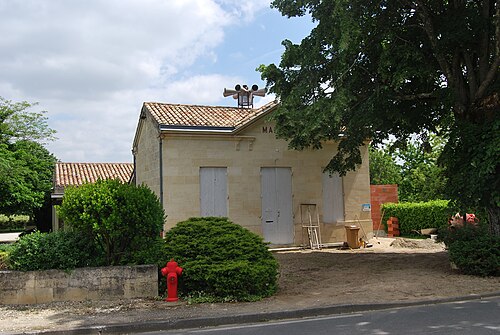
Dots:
{"x": 59, "y": 250}
{"x": 222, "y": 261}
{"x": 124, "y": 219}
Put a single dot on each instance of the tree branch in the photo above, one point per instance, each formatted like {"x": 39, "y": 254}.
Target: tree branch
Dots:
{"x": 492, "y": 73}
{"x": 428, "y": 26}
{"x": 484, "y": 42}
{"x": 419, "y": 96}
{"x": 493, "y": 70}
{"x": 471, "y": 74}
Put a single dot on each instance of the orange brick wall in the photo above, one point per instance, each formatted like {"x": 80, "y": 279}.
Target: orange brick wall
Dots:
{"x": 380, "y": 194}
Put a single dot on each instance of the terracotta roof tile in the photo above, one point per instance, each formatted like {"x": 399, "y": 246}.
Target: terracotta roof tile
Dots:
{"x": 75, "y": 174}
{"x": 203, "y": 116}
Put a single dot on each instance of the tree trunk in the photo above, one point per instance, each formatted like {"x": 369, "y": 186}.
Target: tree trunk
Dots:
{"x": 494, "y": 219}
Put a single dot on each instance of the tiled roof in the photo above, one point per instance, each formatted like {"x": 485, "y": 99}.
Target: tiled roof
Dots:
{"x": 75, "y": 174}
{"x": 203, "y": 116}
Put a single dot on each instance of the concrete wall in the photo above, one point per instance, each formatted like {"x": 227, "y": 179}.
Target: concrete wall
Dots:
{"x": 103, "y": 283}
{"x": 244, "y": 156}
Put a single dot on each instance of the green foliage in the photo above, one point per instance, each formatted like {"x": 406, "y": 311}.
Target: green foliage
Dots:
{"x": 59, "y": 250}
{"x": 18, "y": 123}
{"x": 416, "y": 216}
{"x": 13, "y": 223}
{"x": 422, "y": 178}
{"x": 124, "y": 219}
{"x": 4, "y": 255}
{"x": 472, "y": 164}
{"x": 26, "y": 167}
{"x": 413, "y": 165}
{"x": 372, "y": 70}
{"x": 222, "y": 261}
{"x": 5, "y": 247}
{"x": 473, "y": 250}
{"x": 383, "y": 169}
{"x": 4, "y": 260}
{"x": 26, "y": 170}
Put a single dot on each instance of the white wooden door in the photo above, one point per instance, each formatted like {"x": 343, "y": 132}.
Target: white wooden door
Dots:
{"x": 277, "y": 216}
{"x": 213, "y": 191}
{"x": 333, "y": 198}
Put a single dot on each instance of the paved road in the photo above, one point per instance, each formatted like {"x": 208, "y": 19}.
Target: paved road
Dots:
{"x": 468, "y": 317}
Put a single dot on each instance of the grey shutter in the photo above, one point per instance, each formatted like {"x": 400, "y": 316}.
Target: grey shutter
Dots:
{"x": 213, "y": 191}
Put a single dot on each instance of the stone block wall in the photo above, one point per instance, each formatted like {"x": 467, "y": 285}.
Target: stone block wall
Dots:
{"x": 102, "y": 283}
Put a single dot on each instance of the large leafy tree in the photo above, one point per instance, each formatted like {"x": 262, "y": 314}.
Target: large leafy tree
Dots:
{"x": 371, "y": 69}
{"x": 414, "y": 168}
{"x": 383, "y": 168}
{"x": 26, "y": 166}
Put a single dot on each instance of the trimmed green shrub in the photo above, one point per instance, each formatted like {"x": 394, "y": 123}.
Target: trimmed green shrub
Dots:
{"x": 473, "y": 249}
{"x": 13, "y": 223}
{"x": 123, "y": 219}
{"x": 59, "y": 250}
{"x": 222, "y": 261}
{"x": 5, "y": 247}
{"x": 414, "y": 216}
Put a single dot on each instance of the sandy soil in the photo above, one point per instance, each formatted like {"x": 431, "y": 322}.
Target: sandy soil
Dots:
{"x": 393, "y": 270}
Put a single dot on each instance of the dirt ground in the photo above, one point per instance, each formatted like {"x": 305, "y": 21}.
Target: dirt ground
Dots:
{"x": 393, "y": 270}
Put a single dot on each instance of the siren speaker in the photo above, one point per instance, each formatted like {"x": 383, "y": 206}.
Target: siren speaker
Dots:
{"x": 227, "y": 92}
{"x": 259, "y": 93}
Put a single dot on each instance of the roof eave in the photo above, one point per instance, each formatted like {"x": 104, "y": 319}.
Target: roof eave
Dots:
{"x": 196, "y": 129}
{"x": 268, "y": 110}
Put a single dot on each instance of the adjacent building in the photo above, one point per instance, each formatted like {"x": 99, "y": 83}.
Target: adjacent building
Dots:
{"x": 76, "y": 174}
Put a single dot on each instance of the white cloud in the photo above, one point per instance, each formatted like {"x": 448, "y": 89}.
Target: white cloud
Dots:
{"x": 59, "y": 47}
{"x": 244, "y": 10}
{"x": 92, "y": 63}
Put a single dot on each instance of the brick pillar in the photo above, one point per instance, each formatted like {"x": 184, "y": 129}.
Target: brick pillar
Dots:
{"x": 381, "y": 194}
{"x": 392, "y": 227}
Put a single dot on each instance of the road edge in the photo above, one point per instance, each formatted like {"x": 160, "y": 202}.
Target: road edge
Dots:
{"x": 154, "y": 326}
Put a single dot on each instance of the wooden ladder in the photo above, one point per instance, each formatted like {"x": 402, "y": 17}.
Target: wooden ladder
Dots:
{"x": 310, "y": 211}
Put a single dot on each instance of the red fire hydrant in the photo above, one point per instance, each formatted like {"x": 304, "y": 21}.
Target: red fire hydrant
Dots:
{"x": 171, "y": 271}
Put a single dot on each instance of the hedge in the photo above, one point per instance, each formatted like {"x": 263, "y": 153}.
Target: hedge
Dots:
{"x": 414, "y": 216}
{"x": 62, "y": 250}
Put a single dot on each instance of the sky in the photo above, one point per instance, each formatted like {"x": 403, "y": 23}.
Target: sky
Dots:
{"x": 92, "y": 63}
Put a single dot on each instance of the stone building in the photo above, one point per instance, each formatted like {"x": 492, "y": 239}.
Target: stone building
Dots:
{"x": 227, "y": 161}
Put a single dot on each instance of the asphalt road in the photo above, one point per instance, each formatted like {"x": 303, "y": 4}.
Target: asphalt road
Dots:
{"x": 467, "y": 317}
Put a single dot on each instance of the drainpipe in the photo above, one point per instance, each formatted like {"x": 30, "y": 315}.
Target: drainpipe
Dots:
{"x": 134, "y": 173}
{"x": 161, "y": 170}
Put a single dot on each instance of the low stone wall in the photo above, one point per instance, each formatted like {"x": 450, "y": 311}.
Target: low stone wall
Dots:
{"x": 102, "y": 283}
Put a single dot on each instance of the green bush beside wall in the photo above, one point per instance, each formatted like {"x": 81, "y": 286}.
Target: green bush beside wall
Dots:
{"x": 414, "y": 216}
{"x": 59, "y": 250}
{"x": 473, "y": 249}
